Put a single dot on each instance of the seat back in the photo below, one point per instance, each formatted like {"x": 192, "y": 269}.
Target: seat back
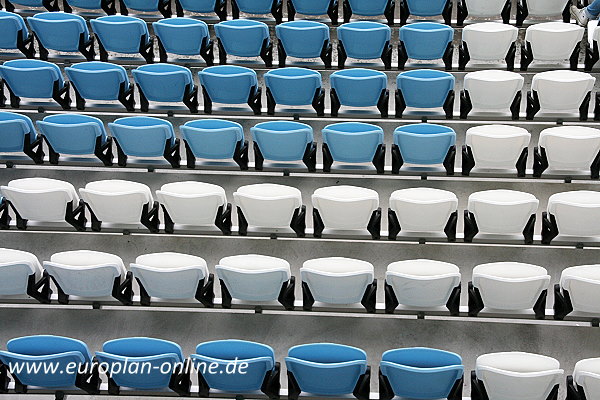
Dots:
{"x": 192, "y": 203}
{"x": 437, "y": 36}
{"x": 228, "y": 84}
{"x": 311, "y": 7}
{"x": 213, "y": 139}
{"x": 96, "y": 80}
{"x": 570, "y": 147}
{"x": 10, "y": 25}
{"x": 86, "y": 4}
{"x": 163, "y": 82}
{"x": 200, "y": 6}
{"x": 31, "y": 78}
{"x": 303, "y": 39}
{"x": 423, "y": 209}
{"x": 120, "y": 33}
{"x": 243, "y": 37}
{"x": 369, "y": 7}
{"x": 576, "y": 212}
{"x": 72, "y": 133}
{"x": 182, "y": 36}
{"x": 255, "y": 6}
{"x": 425, "y": 88}
{"x": 352, "y": 142}
{"x": 268, "y": 205}
{"x": 424, "y": 144}
{"x": 345, "y": 207}
{"x": 497, "y": 146}
{"x": 13, "y": 128}
{"x": 58, "y": 30}
{"x": 553, "y": 41}
{"x": 364, "y": 40}
{"x": 293, "y": 86}
{"x": 116, "y": 201}
{"x": 503, "y": 212}
{"x": 582, "y": 283}
{"x": 282, "y": 140}
{"x": 426, "y": 8}
{"x": 490, "y": 8}
{"x": 358, "y": 87}
{"x": 142, "y": 136}
{"x": 15, "y": 269}
{"x": 493, "y": 90}
{"x": 546, "y": 7}
{"x": 142, "y": 5}
{"x": 587, "y": 375}
{"x": 480, "y": 37}
{"x": 562, "y": 90}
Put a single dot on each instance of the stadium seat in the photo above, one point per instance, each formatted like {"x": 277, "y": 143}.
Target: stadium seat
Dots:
{"x": 62, "y": 32}
{"x": 352, "y": 143}
{"x": 543, "y": 8}
{"x": 256, "y": 278}
{"x": 271, "y": 206}
{"x": 261, "y": 374}
{"x": 422, "y": 8}
{"x": 214, "y": 139}
{"x": 100, "y": 81}
{"x": 438, "y": 37}
{"x": 17, "y": 134}
{"x": 303, "y": 39}
{"x": 145, "y": 363}
{"x": 491, "y": 91}
{"x": 573, "y": 214}
{"x": 511, "y": 375}
{"x": 346, "y": 208}
{"x": 552, "y": 41}
{"x": 219, "y": 7}
{"x": 420, "y": 373}
{"x": 424, "y": 145}
{"x": 166, "y": 83}
{"x": 194, "y": 203}
{"x": 294, "y": 87}
{"x": 501, "y": 212}
{"x": 35, "y": 79}
{"x": 260, "y": 7}
{"x": 173, "y": 276}
{"x": 364, "y": 40}
{"x": 474, "y": 8}
{"x": 53, "y": 353}
{"x": 422, "y": 284}
{"x": 123, "y": 34}
{"x": 425, "y": 88}
{"x": 19, "y": 273}
{"x": 230, "y": 84}
{"x": 422, "y": 210}
{"x": 584, "y": 382}
{"x": 120, "y": 202}
{"x": 24, "y": 197}
{"x": 577, "y": 291}
{"x": 145, "y": 137}
{"x": 560, "y": 91}
{"x": 108, "y": 6}
{"x": 370, "y": 8}
{"x": 359, "y": 87}
{"x": 146, "y": 6}
{"x": 185, "y": 37}
{"x": 496, "y": 147}
{"x": 50, "y": 5}
{"x": 244, "y": 38}
{"x": 509, "y": 286}
{"x": 592, "y": 52}
{"x": 90, "y": 274}
{"x": 284, "y": 141}
{"x": 488, "y": 41}
{"x": 338, "y": 280}
{"x": 314, "y": 8}
{"x": 14, "y": 34}
{"x": 327, "y": 369}
{"x": 568, "y": 148}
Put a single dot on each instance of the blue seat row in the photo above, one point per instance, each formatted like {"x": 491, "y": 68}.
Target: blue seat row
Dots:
{"x": 233, "y": 366}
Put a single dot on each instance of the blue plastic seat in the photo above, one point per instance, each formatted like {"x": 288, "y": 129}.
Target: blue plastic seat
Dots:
{"x": 167, "y": 83}
{"x": 230, "y": 85}
{"x": 262, "y": 372}
{"x": 313, "y": 7}
{"x": 158, "y": 361}
{"x": 359, "y": 87}
{"x": 303, "y": 39}
{"x": 183, "y": 36}
{"x": 364, "y": 40}
{"x": 421, "y": 373}
{"x": 17, "y": 134}
{"x": 219, "y": 7}
{"x": 284, "y": 141}
{"x": 328, "y": 369}
{"x": 108, "y": 6}
{"x": 260, "y": 7}
{"x": 353, "y": 143}
{"x": 35, "y": 79}
{"x": 294, "y": 87}
{"x": 370, "y": 8}
{"x": 426, "y": 8}
{"x": 214, "y": 139}
{"x": 97, "y": 80}
{"x": 50, "y": 5}
{"x": 62, "y": 32}
{"x": 426, "y": 41}
{"x": 14, "y": 34}
{"x": 244, "y": 38}
{"x": 424, "y": 144}
{"x": 147, "y": 6}
{"x": 123, "y": 34}
{"x": 76, "y": 134}
{"x": 39, "y": 355}
{"x": 425, "y": 88}
{"x": 145, "y": 137}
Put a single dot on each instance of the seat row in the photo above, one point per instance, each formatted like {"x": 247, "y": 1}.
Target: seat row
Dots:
{"x": 493, "y": 148}
{"x": 416, "y": 285}
{"x": 416, "y": 212}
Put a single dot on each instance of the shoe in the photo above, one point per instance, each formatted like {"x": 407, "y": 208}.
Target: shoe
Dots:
{"x": 579, "y": 15}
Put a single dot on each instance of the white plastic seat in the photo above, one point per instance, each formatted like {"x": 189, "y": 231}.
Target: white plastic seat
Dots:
{"x": 501, "y": 212}
{"x": 592, "y": 54}
{"x": 170, "y": 275}
{"x": 583, "y": 285}
{"x": 560, "y": 91}
{"x": 344, "y": 208}
{"x": 511, "y": 286}
{"x": 586, "y": 375}
{"x": 575, "y": 213}
{"x": 496, "y": 147}
{"x": 488, "y": 41}
{"x": 422, "y": 283}
{"x": 421, "y": 210}
{"x": 546, "y": 8}
{"x": 551, "y": 41}
{"x": 488, "y": 8}
{"x": 337, "y": 280}
{"x": 492, "y": 91}
{"x": 16, "y": 269}
{"x": 517, "y": 375}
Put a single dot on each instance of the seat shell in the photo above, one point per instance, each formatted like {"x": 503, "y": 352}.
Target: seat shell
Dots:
{"x": 587, "y": 375}
{"x": 353, "y": 142}
{"x": 502, "y": 212}
{"x": 493, "y": 90}
{"x": 228, "y": 84}
{"x": 424, "y": 144}
{"x": 58, "y": 30}
{"x": 553, "y": 41}
{"x": 364, "y": 40}
{"x": 142, "y": 136}
{"x": 243, "y": 37}
{"x": 16, "y": 267}
{"x": 164, "y": 82}
{"x": 97, "y": 80}
{"x": 182, "y": 36}
{"x": 345, "y": 207}
{"x": 192, "y": 203}
{"x": 423, "y": 209}
{"x": 582, "y": 282}
{"x": 32, "y": 78}
{"x": 117, "y": 201}
{"x": 490, "y": 8}
{"x": 311, "y": 7}
{"x": 358, "y": 87}
{"x": 120, "y": 33}
{"x": 282, "y": 140}
{"x": 570, "y": 147}
{"x": 425, "y": 88}
{"x": 268, "y": 205}
{"x": 293, "y": 86}
{"x": 479, "y": 38}
{"x": 10, "y": 25}
{"x": 212, "y": 139}
{"x": 562, "y": 90}
{"x": 13, "y": 128}
{"x": 437, "y": 36}
{"x": 544, "y": 8}
{"x": 497, "y": 146}
{"x": 427, "y": 8}
{"x": 303, "y": 39}
{"x": 74, "y": 134}
{"x": 577, "y": 212}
